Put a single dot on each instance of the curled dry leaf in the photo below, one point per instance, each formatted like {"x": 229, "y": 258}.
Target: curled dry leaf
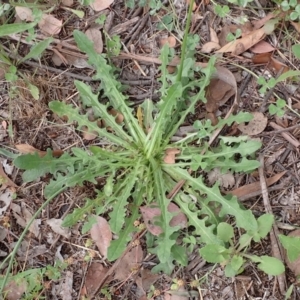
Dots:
{"x": 24, "y": 13}
{"x": 295, "y": 265}
{"x": 170, "y": 155}
{"x": 221, "y": 88}
{"x": 49, "y": 25}
{"x": 274, "y": 64}
{"x": 101, "y": 235}
{"x": 99, "y": 5}
{"x": 150, "y": 213}
{"x": 262, "y": 47}
{"x": 95, "y": 36}
{"x": 256, "y": 125}
{"x": 55, "y": 225}
{"x": 210, "y": 47}
{"x": 239, "y": 46}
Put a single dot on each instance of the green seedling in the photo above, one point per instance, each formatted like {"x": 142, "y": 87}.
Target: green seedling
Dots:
{"x": 233, "y": 36}
{"x": 293, "y": 7}
{"x": 277, "y": 108}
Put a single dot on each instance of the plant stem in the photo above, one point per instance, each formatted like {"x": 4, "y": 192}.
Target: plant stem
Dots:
{"x": 184, "y": 43}
{"x": 14, "y": 252}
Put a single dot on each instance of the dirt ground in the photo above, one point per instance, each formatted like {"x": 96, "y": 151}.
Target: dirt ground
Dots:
{"x": 142, "y": 32}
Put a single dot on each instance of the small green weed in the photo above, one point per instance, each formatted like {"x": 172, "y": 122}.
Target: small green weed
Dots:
{"x": 30, "y": 283}
{"x": 277, "y": 108}
{"x": 292, "y": 7}
{"x": 136, "y": 173}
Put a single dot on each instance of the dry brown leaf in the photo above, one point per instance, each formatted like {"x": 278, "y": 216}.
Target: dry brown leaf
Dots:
{"x": 24, "y": 13}
{"x": 150, "y": 213}
{"x": 275, "y": 65}
{"x": 218, "y": 93}
{"x": 95, "y": 36}
{"x": 262, "y": 47}
{"x": 5, "y": 181}
{"x": 148, "y": 279}
{"x": 239, "y": 46}
{"x": 55, "y": 225}
{"x": 262, "y": 58}
{"x": 94, "y": 276}
{"x": 213, "y": 36}
{"x": 49, "y": 25}
{"x": 296, "y": 25}
{"x": 101, "y": 235}
{"x": 99, "y": 5}
{"x": 27, "y": 149}
{"x": 210, "y": 47}
{"x": 259, "y": 23}
{"x": 170, "y": 155}
{"x": 129, "y": 262}
{"x": 212, "y": 117}
{"x": 256, "y": 125}
{"x": 254, "y": 187}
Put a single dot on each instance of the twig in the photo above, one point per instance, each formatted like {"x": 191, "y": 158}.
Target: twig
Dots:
{"x": 286, "y": 135}
{"x": 279, "y": 130}
{"x": 136, "y": 30}
{"x": 257, "y": 193}
{"x": 274, "y": 233}
{"x": 135, "y": 62}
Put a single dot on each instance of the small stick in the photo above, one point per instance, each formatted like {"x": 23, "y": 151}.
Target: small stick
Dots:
{"x": 135, "y": 62}
{"x": 279, "y": 130}
{"x": 286, "y": 135}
